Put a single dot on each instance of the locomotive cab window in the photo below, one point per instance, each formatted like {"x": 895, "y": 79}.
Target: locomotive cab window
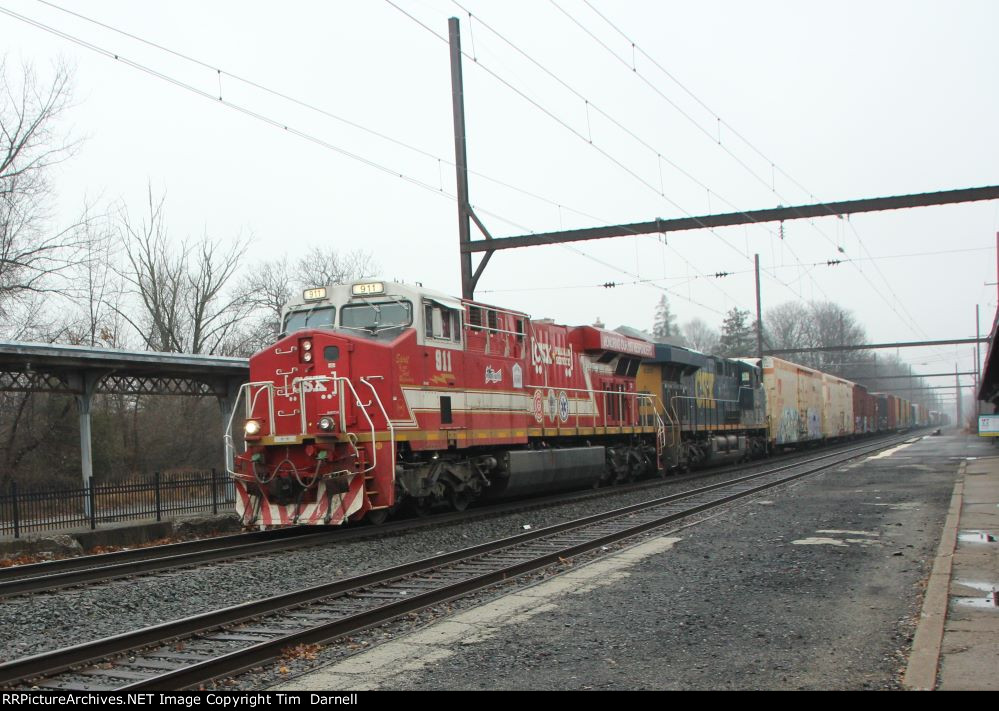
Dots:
{"x": 441, "y": 323}
{"x": 316, "y": 317}
{"x": 377, "y": 316}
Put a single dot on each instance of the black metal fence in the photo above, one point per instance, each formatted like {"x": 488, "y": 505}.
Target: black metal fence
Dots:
{"x": 40, "y": 509}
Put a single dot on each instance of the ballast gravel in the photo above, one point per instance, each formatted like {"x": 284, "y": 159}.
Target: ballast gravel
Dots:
{"x": 48, "y": 621}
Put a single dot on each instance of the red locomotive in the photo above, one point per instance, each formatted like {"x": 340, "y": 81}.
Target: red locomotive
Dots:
{"x": 383, "y": 394}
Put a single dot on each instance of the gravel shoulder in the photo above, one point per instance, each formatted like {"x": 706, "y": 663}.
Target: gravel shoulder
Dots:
{"x": 48, "y": 621}
{"x": 816, "y": 586}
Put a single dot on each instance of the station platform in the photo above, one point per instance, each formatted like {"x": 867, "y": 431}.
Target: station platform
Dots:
{"x": 957, "y": 643}
{"x": 879, "y": 574}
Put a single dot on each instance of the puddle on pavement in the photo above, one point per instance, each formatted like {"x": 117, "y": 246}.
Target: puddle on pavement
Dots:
{"x": 974, "y": 585}
{"x": 988, "y": 601}
{"x": 976, "y": 537}
{"x": 815, "y": 541}
{"x": 888, "y": 452}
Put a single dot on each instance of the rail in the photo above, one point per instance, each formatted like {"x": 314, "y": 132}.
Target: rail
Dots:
{"x": 347, "y": 606}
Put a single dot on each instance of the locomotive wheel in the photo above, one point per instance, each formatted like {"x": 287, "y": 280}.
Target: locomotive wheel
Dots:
{"x": 459, "y": 500}
{"x": 420, "y": 507}
{"x": 376, "y": 517}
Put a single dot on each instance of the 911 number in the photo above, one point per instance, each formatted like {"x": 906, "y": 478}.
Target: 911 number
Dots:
{"x": 443, "y": 360}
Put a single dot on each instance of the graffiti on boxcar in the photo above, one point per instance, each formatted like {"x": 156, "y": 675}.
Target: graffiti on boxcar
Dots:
{"x": 814, "y": 424}
{"x": 787, "y": 426}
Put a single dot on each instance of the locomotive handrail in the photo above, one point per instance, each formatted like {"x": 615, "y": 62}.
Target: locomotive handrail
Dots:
{"x": 250, "y": 403}
{"x": 391, "y": 425}
{"x": 620, "y": 394}
{"x": 676, "y": 397}
{"x": 343, "y": 416}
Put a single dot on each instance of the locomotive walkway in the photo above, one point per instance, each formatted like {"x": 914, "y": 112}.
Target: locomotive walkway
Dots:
{"x": 816, "y": 586}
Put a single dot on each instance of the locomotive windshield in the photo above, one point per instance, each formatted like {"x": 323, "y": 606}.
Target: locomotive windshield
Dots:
{"x": 315, "y": 317}
{"x": 376, "y": 316}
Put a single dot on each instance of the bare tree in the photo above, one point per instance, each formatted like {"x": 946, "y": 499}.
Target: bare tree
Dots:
{"x": 787, "y": 326}
{"x": 272, "y": 284}
{"x": 97, "y": 290}
{"x": 188, "y": 304}
{"x": 32, "y": 253}
{"x": 816, "y": 325}
{"x": 700, "y": 336}
{"x": 322, "y": 267}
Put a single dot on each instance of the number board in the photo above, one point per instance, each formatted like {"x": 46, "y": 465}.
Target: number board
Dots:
{"x": 375, "y": 287}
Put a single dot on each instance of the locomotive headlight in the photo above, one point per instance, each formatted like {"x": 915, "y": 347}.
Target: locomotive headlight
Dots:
{"x": 326, "y": 424}
{"x": 252, "y": 427}
{"x": 306, "y": 345}
{"x": 307, "y": 356}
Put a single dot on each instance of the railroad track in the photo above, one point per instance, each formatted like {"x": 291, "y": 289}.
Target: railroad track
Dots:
{"x": 193, "y": 651}
{"x": 86, "y": 570}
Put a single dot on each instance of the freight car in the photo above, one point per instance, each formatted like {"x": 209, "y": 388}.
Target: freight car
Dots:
{"x": 864, "y": 411}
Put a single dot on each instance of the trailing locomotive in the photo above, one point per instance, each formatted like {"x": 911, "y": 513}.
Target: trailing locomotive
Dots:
{"x": 715, "y": 407}
{"x": 383, "y": 395}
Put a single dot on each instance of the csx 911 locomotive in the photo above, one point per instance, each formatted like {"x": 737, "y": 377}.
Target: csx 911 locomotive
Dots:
{"x": 384, "y": 395}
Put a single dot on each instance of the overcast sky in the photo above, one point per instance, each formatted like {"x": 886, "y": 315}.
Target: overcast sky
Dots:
{"x": 569, "y": 125}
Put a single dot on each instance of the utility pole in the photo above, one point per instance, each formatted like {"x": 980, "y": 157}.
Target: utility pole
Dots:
{"x": 957, "y": 389}
{"x": 759, "y": 314}
{"x": 978, "y": 360}
{"x": 460, "y": 157}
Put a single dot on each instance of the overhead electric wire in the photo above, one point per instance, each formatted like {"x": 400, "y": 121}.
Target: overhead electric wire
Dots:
{"x": 331, "y": 115}
{"x": 306, "y": 105}
{"x": 912, "y": 323}
{"x": 770, "y": 188}
{"x": 696, "y": 98}
{"x": 228, "y": 104}
{"x": 578, "y": 135}
{"x": 589, "y": 104}
{"x": 260, "y": 116}
{"x": 341, "y": 119}
{"x": 616, "y": 122}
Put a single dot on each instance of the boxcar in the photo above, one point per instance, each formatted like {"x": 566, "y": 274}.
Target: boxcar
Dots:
{"x": 864, "y": 412}
{"x": 837, "y": 407}
{"x": 794, "y": 401}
